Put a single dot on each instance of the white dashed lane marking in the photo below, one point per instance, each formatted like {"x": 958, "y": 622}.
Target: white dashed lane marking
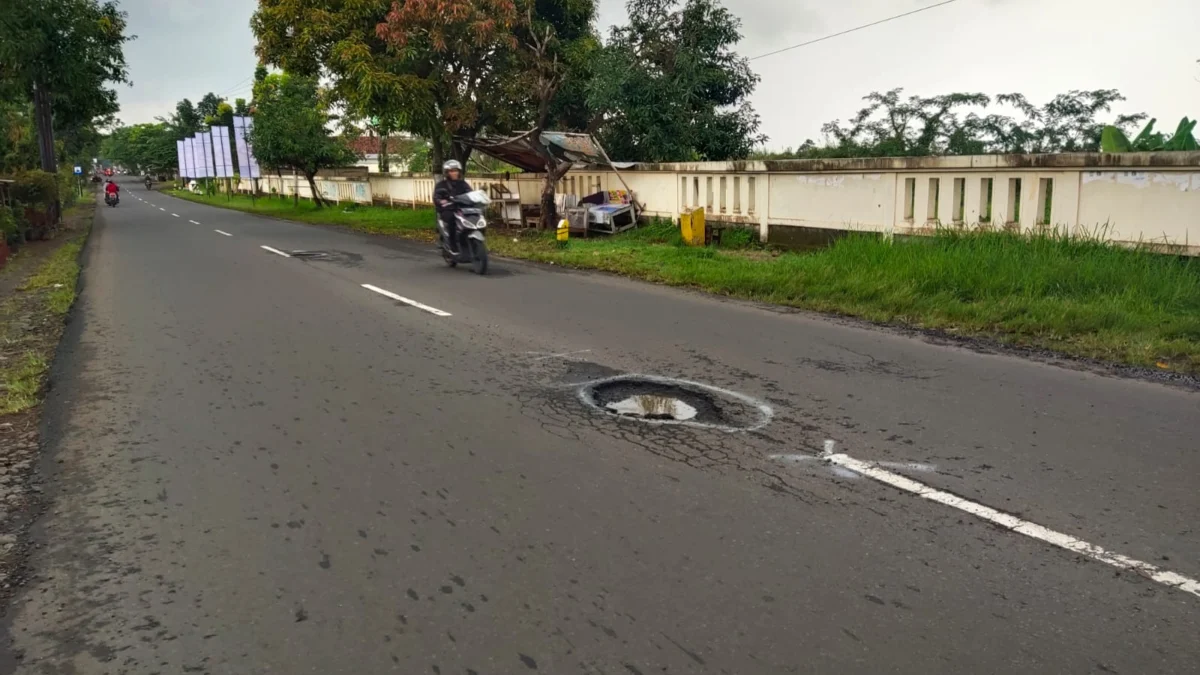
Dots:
{"x": 413, "y": 303}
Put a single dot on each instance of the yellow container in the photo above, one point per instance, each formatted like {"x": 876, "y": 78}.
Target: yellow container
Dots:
{"x": 691, "y": 227}
{"x": 564, "y": 231}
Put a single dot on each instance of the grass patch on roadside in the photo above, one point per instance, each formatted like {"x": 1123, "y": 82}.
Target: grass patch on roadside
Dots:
{"x": 59, "y": 274}
{"x": 1075, "y": 296}
{"x": 370, "y": 219}
{"x": 22, "y": 383}
{"x": 1069, "y": 294}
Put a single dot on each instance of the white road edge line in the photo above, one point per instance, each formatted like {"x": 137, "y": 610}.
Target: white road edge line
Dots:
{"x": 432, "y": 310}
{"x": 222, "y": 232}
{"x": 193, "y": 222}
{"x": 1015, "y": 524}
{"x": 275, "y": 251}
{"x": 160, "y": 208}
{"x": 175, "y": 214}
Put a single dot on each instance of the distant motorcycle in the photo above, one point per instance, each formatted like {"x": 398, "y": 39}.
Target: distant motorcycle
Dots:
{"x": 111, "y": 199}
{"x": 471, "y": 221}
{"x": 149, "y": 183}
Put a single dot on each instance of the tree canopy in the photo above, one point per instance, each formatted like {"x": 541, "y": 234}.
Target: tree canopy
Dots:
{"x": 964, "y": 123}
{"x": 57, "y": 60}
{"x": 291, "y": 128}
{"x": 670, "y": 87}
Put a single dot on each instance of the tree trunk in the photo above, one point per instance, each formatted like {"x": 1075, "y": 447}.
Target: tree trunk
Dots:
{"x": 312, "y": 185}
{"x": 554, "y": 173}
{"x": 385, "y": 164}
{"x": 44, "y": 118}
{"x": 437, "y": 155}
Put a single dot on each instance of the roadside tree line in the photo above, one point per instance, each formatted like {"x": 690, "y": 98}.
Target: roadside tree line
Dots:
{"x": 58, "y": 60}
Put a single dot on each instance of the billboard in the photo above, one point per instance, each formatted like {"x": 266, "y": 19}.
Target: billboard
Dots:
{"x": 221, "y": 153}
{"x": 179, "y": 160}
{"x": 189, "y": 156}
{"x": 247, "y": 163}
{"x": 205, "y": 139}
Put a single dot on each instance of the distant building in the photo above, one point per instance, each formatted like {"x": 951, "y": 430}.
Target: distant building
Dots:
{"x": 368, "y": 145}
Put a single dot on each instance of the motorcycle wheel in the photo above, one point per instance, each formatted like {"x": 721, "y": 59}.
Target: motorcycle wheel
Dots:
{"x": 479, "y": 256}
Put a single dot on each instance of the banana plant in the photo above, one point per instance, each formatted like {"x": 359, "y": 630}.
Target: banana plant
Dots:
{"x": 1112, "y": 139}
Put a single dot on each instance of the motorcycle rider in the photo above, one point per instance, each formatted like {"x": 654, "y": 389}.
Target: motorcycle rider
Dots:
{"x": 452, "y": 185}
{"x": 111, "y": 189}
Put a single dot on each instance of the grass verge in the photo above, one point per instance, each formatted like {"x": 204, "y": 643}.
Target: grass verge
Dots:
{"x": 371, "y": 219}
{"x": 31, "y": 318}
{"x": 1072, "y": 295}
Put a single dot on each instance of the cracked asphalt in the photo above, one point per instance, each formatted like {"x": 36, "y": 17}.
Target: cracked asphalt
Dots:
{"x": 257, "y": 465}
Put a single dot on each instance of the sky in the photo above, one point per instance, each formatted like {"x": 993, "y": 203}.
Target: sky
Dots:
{"x": 1040, "y": 48}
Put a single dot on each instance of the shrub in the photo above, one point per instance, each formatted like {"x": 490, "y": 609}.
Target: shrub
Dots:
{"x": 36, "y": 189}
{"x": 11, "y": 228}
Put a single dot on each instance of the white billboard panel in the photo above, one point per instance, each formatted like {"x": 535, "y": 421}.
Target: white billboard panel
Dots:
{"x": 247, "y": 163}
{"x": 221, "y": 153}
{"x": 179, "y": 159}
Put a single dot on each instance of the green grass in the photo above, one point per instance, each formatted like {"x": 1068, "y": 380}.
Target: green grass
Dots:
{"x": 372, "y": 219}
{"x": 59, "y": 274}
{"x": 1074, "y": 295}
{"x": 22, "y": 382}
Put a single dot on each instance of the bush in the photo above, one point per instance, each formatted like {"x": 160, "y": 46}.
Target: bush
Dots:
{"x": 36, "y": 189}
{"x": 11, "y": 228}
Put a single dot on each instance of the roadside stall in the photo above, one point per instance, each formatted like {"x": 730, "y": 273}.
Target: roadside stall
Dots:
{"x": 605, "y": 212}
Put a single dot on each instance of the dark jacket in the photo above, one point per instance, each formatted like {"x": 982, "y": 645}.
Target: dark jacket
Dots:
{"x": 447, "y": 189}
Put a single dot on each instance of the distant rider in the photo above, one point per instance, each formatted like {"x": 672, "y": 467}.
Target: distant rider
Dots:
{"x": 110, "y": 188}
{"x": 451, "y": 185}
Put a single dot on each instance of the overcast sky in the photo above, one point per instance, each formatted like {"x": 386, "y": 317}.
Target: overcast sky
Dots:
{"x": 1147, "y": 50}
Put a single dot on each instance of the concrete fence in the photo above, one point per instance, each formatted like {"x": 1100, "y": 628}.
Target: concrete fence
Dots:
{"x": 1148, "y": 198}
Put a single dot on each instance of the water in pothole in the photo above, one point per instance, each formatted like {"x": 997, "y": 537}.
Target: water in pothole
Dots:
{"x": 651, "y": 407}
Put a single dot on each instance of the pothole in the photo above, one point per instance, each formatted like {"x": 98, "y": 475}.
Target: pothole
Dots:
{"x": 662, "y": 400}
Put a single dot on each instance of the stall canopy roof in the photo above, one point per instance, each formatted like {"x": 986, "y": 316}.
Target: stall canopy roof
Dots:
{"x": 521, "y": 152}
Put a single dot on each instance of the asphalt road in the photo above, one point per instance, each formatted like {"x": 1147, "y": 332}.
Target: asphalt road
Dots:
{"x": 261, "y": 466}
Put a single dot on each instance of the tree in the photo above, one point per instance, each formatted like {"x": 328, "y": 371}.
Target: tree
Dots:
{"x": 61, "y": 55}
{"x": 443, "y": 70}
{"x": 959, "y": 124}
{"x": 670, "y": 87}
{"x": 187, "y": 119}
{"x": 209, "y": 105}
{"x": 240, "y": 107}
{"x": 142, "y": 148}
{"x": 291, "y": 128}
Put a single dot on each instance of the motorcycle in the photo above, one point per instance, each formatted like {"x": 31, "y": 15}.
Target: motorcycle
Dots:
{"x": 148, "y": 183}
{"x": 471, "y": 221}
{"x": 111, "y": 198}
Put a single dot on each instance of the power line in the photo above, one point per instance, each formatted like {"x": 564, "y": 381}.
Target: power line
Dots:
{"x": 851, "y": 30}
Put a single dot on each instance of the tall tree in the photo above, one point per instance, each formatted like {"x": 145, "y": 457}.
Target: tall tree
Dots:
{"x": 187, "y": 119}
{"x": 240, "y": 107}
{"x": 670, "y": 87}
{"x": 209, "y": 105}
{"x": 443, "y": 70}
{"x": 61, "y": 55}
{"x": 891, "y": 125}
{"x": 291, "y": 128}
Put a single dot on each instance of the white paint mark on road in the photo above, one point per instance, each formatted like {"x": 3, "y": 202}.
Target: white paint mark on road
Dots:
{"x": 175, "y": 214}
{"x": 563, "y": 355}
{"x": 275, "y": 251}
{"x": 161, "y": 209}
{"x": 909, "y": 466}
{"x": 795, "y": 458}
{"x": 221, "y": 232}
{"x": 432, "y": 310}
{"x": 1020, "y": 526}
{"x": 193, "y": 222}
